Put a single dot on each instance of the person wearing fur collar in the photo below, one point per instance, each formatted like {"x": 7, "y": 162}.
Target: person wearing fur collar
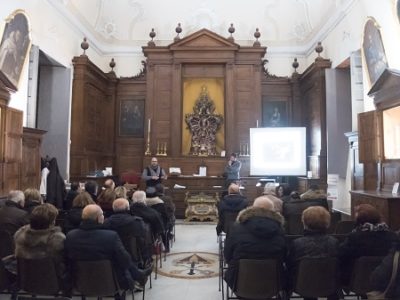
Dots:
{"x": 257, "y": 234}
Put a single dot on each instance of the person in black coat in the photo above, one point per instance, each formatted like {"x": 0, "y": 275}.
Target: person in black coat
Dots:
{"x": 315, "y": 242}
{"x": 72, "y": 193}
{"x": 149, "y": 215}
{"x": 257, "y": 234}
{"x": 91, "y": 241}
{"x": 12, "y": 214}
{"x": 381, "y": 276}
{"x": 55, "y": 185}
{"x": 371, "y": 237}
{"x": 233, "y": 202}
{"x": 127, "y": 226}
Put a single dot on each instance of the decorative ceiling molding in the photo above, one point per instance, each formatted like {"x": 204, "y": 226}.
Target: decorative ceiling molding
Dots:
{"x": 203, "y": 16}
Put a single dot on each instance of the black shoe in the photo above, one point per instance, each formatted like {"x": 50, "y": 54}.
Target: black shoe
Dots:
{"x": 144, "y": 274}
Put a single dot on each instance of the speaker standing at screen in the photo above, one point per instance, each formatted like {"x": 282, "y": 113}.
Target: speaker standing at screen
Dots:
{"x": 232, "y": 170}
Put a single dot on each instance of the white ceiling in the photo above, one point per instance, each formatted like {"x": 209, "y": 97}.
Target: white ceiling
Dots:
{"x": 123, "y": 26}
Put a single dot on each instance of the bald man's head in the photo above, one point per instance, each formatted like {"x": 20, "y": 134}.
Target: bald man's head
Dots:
{"x": 120, "y": 204}
{"x": 93, "y": 212}
{"x": 264, "y": 202}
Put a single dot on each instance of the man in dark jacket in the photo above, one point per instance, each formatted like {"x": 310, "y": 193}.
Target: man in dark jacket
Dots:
{"x": 234, "y": 202}
{"x": 127, "y": 226}
{"x": 12, "y": 215}
{"x": 149, "y": 215}
{"x": 92, "y": 242}
{"x": 258, "y": 234}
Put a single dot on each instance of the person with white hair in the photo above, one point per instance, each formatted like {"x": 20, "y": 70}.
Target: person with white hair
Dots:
{"x": 127, "y": 226}
{"x": 150, "y": 216}
{"x": 270, "y": 193}
{"x": 257, "y": 234}
{"x": 12, "y": 214}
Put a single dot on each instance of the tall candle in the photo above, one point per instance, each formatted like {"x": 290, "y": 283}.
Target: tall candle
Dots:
{"x": 149, "y": 125}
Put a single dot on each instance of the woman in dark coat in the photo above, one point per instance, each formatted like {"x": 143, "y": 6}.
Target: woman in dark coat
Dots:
{"x": 315, "y": 242}
{"x": 371, "y": 237}
{"x": 55, "y": 185}
{"x": 257, "y": 234}
{"x": 73, "y": 217}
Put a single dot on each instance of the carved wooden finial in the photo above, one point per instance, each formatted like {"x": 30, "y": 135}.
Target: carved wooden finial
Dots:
{"x": 295, "y": 64}
{"x": 178, "y": 30}
{"x": 231, "y": 30}
{"x": 112, "y": 64}
{"x": 319, "y": 49}
{"x": 257, "y": 34}
{"x": 152, "y": 35}
{"x": 84, "y": 46}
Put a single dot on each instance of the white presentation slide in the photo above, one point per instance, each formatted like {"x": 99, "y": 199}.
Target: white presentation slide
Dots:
{"x": 278, "y": 151}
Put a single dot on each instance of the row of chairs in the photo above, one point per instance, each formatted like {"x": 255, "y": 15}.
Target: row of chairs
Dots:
{"x": 316, "y": 277}
{"x": 38, "y": 277}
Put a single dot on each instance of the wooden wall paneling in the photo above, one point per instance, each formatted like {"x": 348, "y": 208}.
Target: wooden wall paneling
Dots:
{"x": 175, "y": 141}
{"x": 11, "y": 122}
{"x": 129, "y": 150}
{"x": 31, "y": 158}
{"x": 92, "y": 118}
{"x": 312, "y": 85}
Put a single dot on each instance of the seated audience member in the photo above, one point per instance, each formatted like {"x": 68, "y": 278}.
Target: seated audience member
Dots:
{"x": 234, "y": 202}
{"x": 296, "y": 205}
{"x": 371, "y": 237}
{"x": 120, "y": 192}
{"x": 32, "y": 199}
{"x": 73, "y": 217}
{"x": 149, "y": 215}
{"x": 41, "y": 238}
{"x": 169, "y": 205}
{"x": 127, "y": 226}
{"x": 72, "y": 193}
{"x": 156, "y": 203}
{"x": 109, "y": 184}
{"x": 314, "y": 192}
{"x": 12, "y": 214}
{"x": 91, "y": 241}
{"x": 315, "y": 243}
{"x": 257, "y": 234}
{"x": 283, "y": 191}
{"x": 91, "y": 188}
{"x": 269, "y": 192}
{"x": 381, "y": 276}
{"x": 105, "y": 201}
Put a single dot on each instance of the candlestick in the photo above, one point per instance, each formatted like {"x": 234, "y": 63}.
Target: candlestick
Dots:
{"x": 149, "y": 125}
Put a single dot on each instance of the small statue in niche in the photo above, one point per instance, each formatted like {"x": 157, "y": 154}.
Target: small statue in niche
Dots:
{"x": 203, "y": 124}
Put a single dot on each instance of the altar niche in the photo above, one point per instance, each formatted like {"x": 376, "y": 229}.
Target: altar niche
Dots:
{"x": 203, "y": 108}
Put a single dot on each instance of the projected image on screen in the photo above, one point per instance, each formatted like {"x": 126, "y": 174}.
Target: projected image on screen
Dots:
{"x": 278, "y": 151}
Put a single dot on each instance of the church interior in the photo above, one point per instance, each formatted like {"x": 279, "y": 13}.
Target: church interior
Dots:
{"x": 102, "y": 88}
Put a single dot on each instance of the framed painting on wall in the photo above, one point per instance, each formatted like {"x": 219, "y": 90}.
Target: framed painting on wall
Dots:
{"x": 373, "y": 51}
{"x": 131, "y": 118}
{"x": 14, "y": 47}
{"x": 274, "y": 113}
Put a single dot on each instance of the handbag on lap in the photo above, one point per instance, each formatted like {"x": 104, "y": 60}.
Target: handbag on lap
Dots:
{"x": 379, "y": 295}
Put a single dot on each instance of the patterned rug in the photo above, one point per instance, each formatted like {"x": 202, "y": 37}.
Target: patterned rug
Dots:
{"x": 190, "y": 265}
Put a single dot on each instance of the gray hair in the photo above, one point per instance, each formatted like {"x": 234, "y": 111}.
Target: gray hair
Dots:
{"x": 17, "y": 196}
{"x": 139, "y": 197}
{"x": 120, "y": 204}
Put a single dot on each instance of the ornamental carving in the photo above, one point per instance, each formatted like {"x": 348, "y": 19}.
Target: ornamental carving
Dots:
{"x": 203, "y": 125}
